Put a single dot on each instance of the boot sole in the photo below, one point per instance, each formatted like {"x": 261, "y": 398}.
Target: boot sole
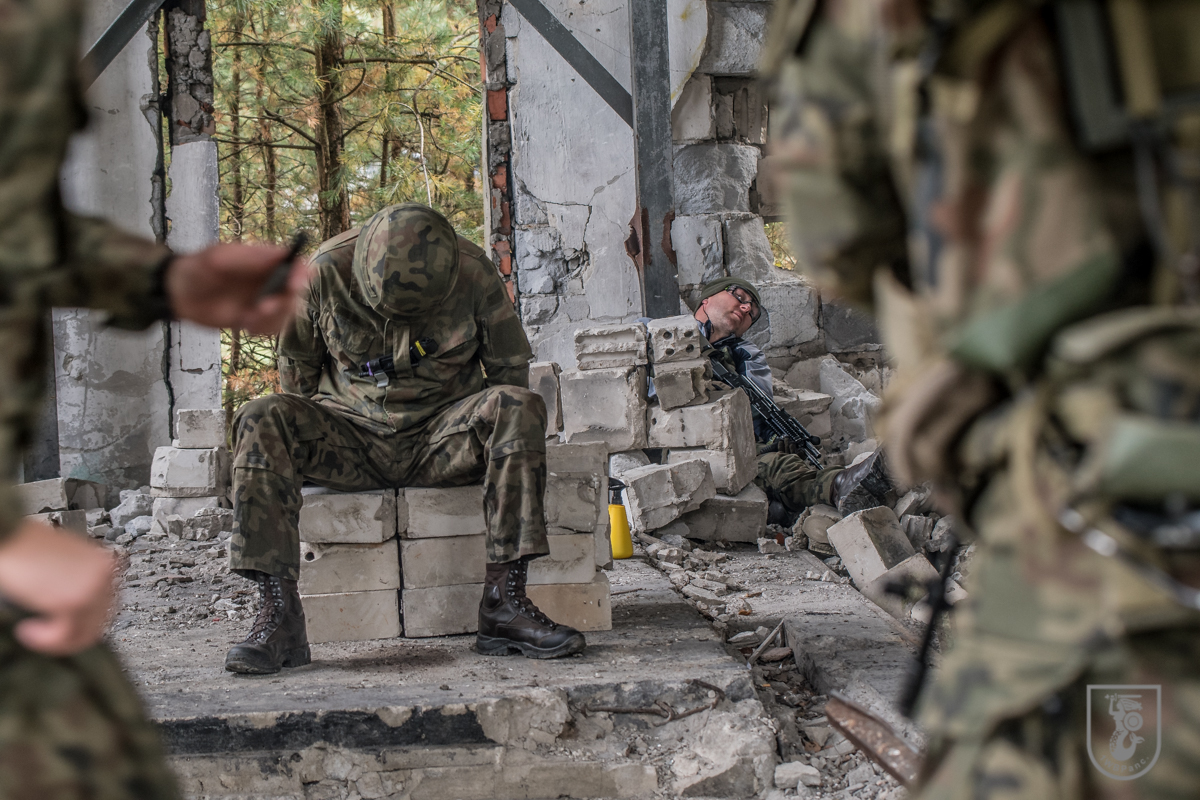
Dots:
{"x": 492, "y": 646}
{"x": 297, "y": 657}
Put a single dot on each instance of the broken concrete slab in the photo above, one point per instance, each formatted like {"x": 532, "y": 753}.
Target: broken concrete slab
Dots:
{"x": 583, "y": 606}
{"x": 574, "y": 500}
{"x": 205, "y": 525}
{"x": 792, "y": 308}
{"x": 915, "y": 569}
{"x": 918, "y": 529}
{"x": 915, "y": 501}
{"x": 870, "y": 543}
{"x": 658, "y": 494}
{"x": 620, "y": 463}
{"x": 699, "y": 248}
{"x": 453, "y": 511}
{"x": 673, "y": 339}
{"x": 748, "y": 254}
{"x": 737, "y": 31}
{"x": 805, "y": 375}
{"x": 576, "y": 459}
{"x": 605, "y": 405}
{"x": 352, "y": 616}
{"x": 441, "y": 610}
{"x": 199, "y": 428}
{"x": 543, "y": 380}
{"x": 740, "y": 518}
{"x": 347, "y": 517}
{"x": 176, "y": 472}
{"x": 185, "y": 507}
{"x": 721, "y": 424}
{"x": 334, "y": 568}
{"x": 682, "y": 383}
{"x": 853, "y": 405}
{"x": 610, "y": 346}
{"x": 132, "y": 505}
{"x": 71, "y": 520}
{"x": 61, "y": 494}
{"x": 732, "y": 469}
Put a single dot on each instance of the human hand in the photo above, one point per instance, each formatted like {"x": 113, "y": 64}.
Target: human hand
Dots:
{"x": 220, "y": 285}
{"x": 785, "y": 444}
{"x": 66, "y": 581}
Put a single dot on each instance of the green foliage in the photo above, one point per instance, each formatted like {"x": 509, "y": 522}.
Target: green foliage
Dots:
{"x": 781, "y": 246}
{"x": 402, "y": 123}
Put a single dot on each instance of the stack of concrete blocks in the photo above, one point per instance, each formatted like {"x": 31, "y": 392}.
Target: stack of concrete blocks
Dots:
{"x": 443, "y": 554}
{"x": 350, "y": 565}
{"x": 192, "y": 475}
{"x": 62, "y": 502}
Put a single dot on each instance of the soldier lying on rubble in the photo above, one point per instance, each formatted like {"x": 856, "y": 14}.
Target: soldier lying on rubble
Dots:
{"x": 405, "y": 365}
{"x": 728, "y": 307}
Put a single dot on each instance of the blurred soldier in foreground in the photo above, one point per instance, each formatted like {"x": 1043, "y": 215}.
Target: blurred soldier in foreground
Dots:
{"x": 405, "y": 365}
{"x": 70, "y": 724}
{"x": 1010, "y": 185}
{"x": 728, "y": 307}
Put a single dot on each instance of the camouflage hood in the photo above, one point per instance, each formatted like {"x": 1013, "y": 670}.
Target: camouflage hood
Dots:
{"x": 406, "y": 260}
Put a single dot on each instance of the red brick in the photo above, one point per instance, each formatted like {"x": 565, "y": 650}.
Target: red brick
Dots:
{"x": 505, "y": 219}
{"x": 497, "y": 103}
{"x": 500, "y": 177}
{"x": 490, "y": 23}
{"x": 506, "y": 265}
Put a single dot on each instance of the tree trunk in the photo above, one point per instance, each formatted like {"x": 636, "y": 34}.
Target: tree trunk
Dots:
{"x": 235, "y": 127}
{"x": 333, "y": 198}
{"x": 268, "y": 159}
{"x": 387, "y": 148}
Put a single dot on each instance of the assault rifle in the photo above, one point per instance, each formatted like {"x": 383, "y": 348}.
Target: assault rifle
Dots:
{"x": 781, "y": 423}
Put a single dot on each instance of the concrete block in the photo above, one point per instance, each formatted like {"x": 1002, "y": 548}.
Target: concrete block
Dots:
{"x": 61, "y": 494}
{"x": 71, "y": 520}
{"x": 352, "y": 616}
{"x": 573, "y": 500}
{"x": 852, "y": 407}
{"x": 659, "y": 494}
{"x": 673, "y": 339}
{"x": 847, "y": 329}
{"x": 692, "y": 117}
{"x": 682, "y": 383}
{"x": 918, "y": 529}
{"x": 347, "y": 517}
{"x": 725, "y": 518}
{"x": 605, "y": 405}
{"x": 543, "y": 379}
{"x": 915, "y": 568}
{"x": 732, "y": 469}
{"x": 736, "y": 33}
{"x": 914, "y": 501}
{"x": 699, "y": 248}
{"x": 620, "y": 463}
{"x": 176, "y": 472}
{"x": 792, "y": 309}
{"x": 870, "y": 543}
{"x": 610, "y": 346}
{"x": 441, "y": 610}
{"x": 815, "y": 522}
{"x": 713, "y": 178}
{"x": 578, "y": 459}
{"x": 201, "y": 428}
{"x": 206, "y": 525}
{"x": 334, "y": 568}
{"x": 453, "y": 511}
{"x": 185, "y": 507}
{"x": 132, "y": 505}
{"x": 583, "y": 606}
{"x": 572, "y": 559}
{"x": 450, "y": 561}
{"x": 603, "y": 541}
{"x": 805, "y": 375}
{"x": 811, "y": 409}
{"x": 748, "y": 254}
{"x": 717, "y": 425}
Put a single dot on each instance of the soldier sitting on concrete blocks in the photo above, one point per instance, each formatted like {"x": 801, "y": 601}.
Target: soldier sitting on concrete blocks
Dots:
{"x": 405, "y": 365}
{"x": 728, "y": 307}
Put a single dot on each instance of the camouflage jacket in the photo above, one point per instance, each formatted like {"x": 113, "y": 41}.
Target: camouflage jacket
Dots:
{"x": 479, "y": 342}
{"x": 49, "y": 257}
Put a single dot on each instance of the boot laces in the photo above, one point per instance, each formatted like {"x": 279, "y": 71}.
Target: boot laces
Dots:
{"x": 271, "y": 609}
{"x": 516, "y": 592}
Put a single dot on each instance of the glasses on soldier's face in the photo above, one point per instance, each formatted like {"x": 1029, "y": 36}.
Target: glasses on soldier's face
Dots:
{"x": 745, "y": 299}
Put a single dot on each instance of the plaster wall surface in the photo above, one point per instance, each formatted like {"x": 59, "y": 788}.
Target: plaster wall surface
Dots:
{"x": 111, "y": 396}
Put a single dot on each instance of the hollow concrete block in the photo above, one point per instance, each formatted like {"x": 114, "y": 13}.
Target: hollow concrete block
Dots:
{"x": 673, "y": 339}
{"x": 609, "y": 346}
{"x": 682, "y": 383}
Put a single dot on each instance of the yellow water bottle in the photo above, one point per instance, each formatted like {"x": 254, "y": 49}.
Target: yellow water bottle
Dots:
{"x": 618, "y": 523}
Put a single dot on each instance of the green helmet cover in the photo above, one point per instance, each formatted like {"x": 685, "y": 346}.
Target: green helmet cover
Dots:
{"x": 406, "y": 260}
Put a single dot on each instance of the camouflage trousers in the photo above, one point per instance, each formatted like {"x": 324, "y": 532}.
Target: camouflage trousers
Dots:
{"x": 1044, "y": 751}
{"x": 793, "y": 481}
{"x": 282, "y": 440}
{"x": 73, "y": 729}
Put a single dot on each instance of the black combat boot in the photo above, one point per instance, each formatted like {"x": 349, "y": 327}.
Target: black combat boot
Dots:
{"x": 778, "y": 514}
{"x": 865, "y": 485}
{"x": 279, "y": 637}
{"x": 509, "y": 621}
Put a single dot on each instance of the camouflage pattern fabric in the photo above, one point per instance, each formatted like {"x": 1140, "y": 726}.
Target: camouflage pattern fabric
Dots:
{"x": 407, "y": 260}
{"x": 794, "y": 482}
{"x": 1002, "y": 250}
{"x": 69, "y": 727}
{"x": 282, "y": 440}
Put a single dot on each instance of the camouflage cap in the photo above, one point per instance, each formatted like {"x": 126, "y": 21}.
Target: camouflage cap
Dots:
{"x": 721, "y": 284}
{"x": 406, "y": 260}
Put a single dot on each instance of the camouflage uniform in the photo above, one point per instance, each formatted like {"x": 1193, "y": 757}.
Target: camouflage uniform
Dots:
{"x": 69, "y": 727}
{"x": 1009, "y": 272}
{"x": 461, "y": 413}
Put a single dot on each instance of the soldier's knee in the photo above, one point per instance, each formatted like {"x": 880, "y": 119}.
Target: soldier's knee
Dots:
{"x": 264, "y": 409}
{"x": 522, "y": 401}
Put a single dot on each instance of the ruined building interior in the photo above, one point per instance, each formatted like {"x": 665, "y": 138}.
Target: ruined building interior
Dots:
{"x": 622, "y": 172}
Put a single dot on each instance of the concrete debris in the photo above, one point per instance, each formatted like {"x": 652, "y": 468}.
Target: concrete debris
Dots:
{"x": 815, "y": 521}
{"x": 134, "y": 503}
{"x": 177, "y": 472}
{"x": 610, "y": 346}
{"x": 71, "y": 520}
{"x": 659, "y": 494}
{"x": 199, "y": 428}
{"x": 914, "y": 571}
{"x": 620, "y": 463}
{"x": 853, "y": 404}
{"x": 682, "y": 383}
{"x": 942, "y": 536}
{"x": 605, "y": 405}
{"x": 206, "y": 525}
{"x": 915, "y": 501}
{"x": 804, "y": 375}
{"x": 770, "y": 546}
{"x": 738, "y": 518}
{"x": 333, "y": 568}
{"x": 543, "y": 379}
{"x": 870, "y": 543}
{"x": 918, "y": 530}
{"x": 352, "y": 616}
{"x": 61, "y": 494}
{"x": 796, "y": 773}
{"x": 673, "y": 339}
{"x": 724, "y": 424}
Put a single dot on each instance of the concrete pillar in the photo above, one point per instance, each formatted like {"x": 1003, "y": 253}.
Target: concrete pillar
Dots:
{"x": 112, "y": 401}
